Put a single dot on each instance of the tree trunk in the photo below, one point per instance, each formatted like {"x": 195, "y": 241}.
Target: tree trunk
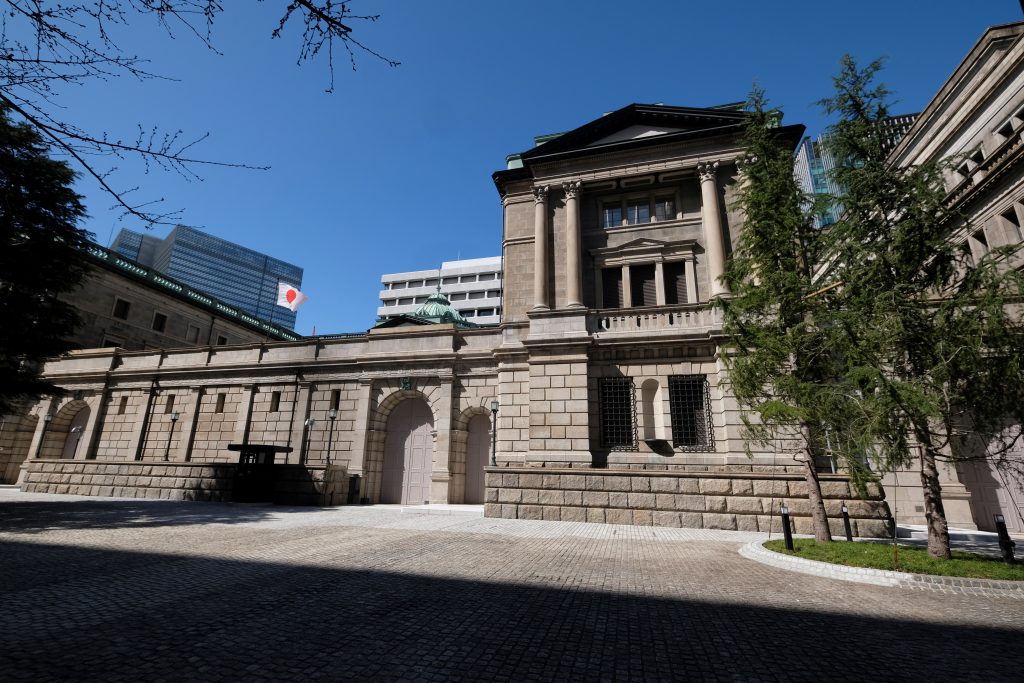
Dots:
{"x": 935, "y": 514}
{"x": 822, "y": 533}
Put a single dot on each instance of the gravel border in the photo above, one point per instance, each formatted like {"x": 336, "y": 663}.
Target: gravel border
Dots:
{"x": 943, "y": 584}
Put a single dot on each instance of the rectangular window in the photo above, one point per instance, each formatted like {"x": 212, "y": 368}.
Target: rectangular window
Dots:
{"x": 486, "y": 277}
{"x": 664, "y": 209}
{"x": 1014, "y": 235}
{"x": 219, "y": 408}
{"x": 405, "y": 302}
{"x": 642, "y": 285}
{"x": 675, "y": 282}
{"x": 275, "y": 401}
{"x": 122, "y": 405}
{"x": 449, "y": 281}
{"x": 169, "y": 406}
{"x": 336, "y": 399}
{"x": 121, "y": 309}
{"x": 159, "y": 322}
{"x": 222, "y": 340}
{"x": 690, "y": 409}
{"x": 612, "y": 215}
{"x": 192, "y": 335}
{"x": 618, "y": 413}
{"x": 485, "y": 311}
{"x": 431, "y": 282}
{"x": 611, "y": 287}
{"x": 638, "y": 211}
{"x": 476, "y": 295}
{"x": 457, "y": 297}
{"x": 467, "y": 278}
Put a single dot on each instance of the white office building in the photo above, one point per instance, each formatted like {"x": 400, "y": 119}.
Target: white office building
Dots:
{"x": 473, "y": 286}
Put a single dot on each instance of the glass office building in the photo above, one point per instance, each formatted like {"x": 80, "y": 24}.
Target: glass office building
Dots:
{"x": 230, "y": 272}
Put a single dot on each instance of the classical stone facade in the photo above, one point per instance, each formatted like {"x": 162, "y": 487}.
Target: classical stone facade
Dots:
{"x": 612, "y": 400}
{"x": 977, "y": 119}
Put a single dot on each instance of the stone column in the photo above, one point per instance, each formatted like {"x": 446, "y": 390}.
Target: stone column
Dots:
{"x": 573, "y": 272}
{"x": 140, "y": 428}
{"x": 300, "y": 412}
{"x": 357, "y": 461}
{"x": 711, "y": 217}
{"x": 241, "y": 434}
{"x": 187, "y": 435}
{"x": 540, "y": 249}
{"x": 627, "y": 288}
{"x": 48, "y": 407}
{"x": 440, "y": 475}
{"x": 659, "y": 282}
{"x": 93, "y": 426}
{"x": 691, "y": 280}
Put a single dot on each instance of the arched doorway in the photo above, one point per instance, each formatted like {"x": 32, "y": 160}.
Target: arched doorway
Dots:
{"x": 65, "y": 431}
{"x": 477, "y": 449}
{"x": 408, "y": 454}
{"x": 74, "y": 435}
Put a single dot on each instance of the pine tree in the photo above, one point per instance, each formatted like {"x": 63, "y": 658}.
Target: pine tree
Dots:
{"x": 39, "y": 259}
{"x": 930, "y": 339}
{"x": 779, "y": 357}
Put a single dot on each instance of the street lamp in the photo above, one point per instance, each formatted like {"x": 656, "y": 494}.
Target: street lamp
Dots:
{"x": 332, "y": 415}
{"x": 494, "y": 430}
{"x": 310, "y": 423}
{"x": 77, "y": 431}
{"x": 174, "y": 420}
{"x": 42, "y": 437}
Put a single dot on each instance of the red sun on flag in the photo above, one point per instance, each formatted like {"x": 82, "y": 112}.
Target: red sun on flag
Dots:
{"x": 289, "y": 296}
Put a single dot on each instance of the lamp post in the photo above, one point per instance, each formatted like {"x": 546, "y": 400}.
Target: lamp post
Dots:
{"x": 77, "y": 431}
{"x": 494, "y": 431}
{"x": 310, "y": 423}
{"x": 42, "y": 437}
{"x": 332, "y": 415}
{"x": 174, "y": 421}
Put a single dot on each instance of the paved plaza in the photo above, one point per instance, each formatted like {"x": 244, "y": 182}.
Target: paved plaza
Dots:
{"x": 114, "y": 589}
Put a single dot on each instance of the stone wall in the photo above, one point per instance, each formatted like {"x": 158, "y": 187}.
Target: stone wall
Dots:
{"x": 743, "y": 501}
{"x": 295, "y": 484}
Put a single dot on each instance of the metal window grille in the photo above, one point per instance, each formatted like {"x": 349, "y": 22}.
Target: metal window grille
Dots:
{"x": 690, "y": 408}
{"x": 618, "y": 413}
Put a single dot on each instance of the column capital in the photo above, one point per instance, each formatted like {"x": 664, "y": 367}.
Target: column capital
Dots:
{"x": 572, "y": 189}
{"x": 707, "y": 170}
{"x": 540, "y": 194}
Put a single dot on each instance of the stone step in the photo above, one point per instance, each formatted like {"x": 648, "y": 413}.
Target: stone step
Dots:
{"x": 444, "y": 509}
{"x": 920, "y": 532}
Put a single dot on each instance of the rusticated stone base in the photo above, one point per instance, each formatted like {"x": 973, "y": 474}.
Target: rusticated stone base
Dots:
{"x": 741, "y": 501}
{"x": 294, "y": 484}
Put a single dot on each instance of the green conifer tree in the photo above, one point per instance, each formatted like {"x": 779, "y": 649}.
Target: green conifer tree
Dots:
{"x": 40, "y": 258}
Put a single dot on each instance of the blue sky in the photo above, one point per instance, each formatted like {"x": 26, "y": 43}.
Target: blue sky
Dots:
{"x": 391, "y": 172}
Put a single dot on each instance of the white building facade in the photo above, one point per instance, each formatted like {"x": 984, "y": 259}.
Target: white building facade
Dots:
{"x": 473, "y": 286}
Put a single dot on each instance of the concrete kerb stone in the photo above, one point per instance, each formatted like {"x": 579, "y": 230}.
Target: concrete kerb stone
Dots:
{"x": 878, "y": 577}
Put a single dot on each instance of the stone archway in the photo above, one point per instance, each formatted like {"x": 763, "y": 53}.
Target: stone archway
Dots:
{"x": 65, "y": 431}
{"x": 408, "y": 453}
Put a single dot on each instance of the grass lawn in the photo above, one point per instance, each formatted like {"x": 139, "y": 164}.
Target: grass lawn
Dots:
{"x": 910, "y": 559}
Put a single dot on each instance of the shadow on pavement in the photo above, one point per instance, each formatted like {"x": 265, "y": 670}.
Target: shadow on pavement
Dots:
{"x": 149, "y": 616}
{"x": 49, "y": 515}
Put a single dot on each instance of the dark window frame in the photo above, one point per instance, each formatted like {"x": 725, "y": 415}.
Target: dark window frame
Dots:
{"x": 689, "y": 398}
{"x": 617, "y": 413}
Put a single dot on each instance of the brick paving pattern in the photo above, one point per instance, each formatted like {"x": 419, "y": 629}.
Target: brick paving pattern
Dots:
{"x": 108, "y": 589}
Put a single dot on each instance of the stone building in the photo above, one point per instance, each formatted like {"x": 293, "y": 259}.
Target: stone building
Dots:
{"x": 123, "y": 304}
{"x": 977, "y": 118}
{"x": 610, "y": 394}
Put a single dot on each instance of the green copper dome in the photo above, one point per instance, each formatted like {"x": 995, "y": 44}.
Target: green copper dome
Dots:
{"x": 438, "y": 309}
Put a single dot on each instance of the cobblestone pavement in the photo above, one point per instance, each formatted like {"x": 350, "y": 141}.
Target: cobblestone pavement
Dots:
{"x": 108, "y": 589}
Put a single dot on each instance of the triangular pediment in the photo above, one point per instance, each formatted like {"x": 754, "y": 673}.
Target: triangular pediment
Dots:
{"x": 638, "y": 124}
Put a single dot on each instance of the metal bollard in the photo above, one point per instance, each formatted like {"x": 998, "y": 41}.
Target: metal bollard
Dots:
{"x": 1006, "y": 544}
{"x": 846, "y": 522}
{"x": 786, "y": 530}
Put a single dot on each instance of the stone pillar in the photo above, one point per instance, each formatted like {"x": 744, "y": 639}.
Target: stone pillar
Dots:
{"x": 300, "y": 412}
{"x": 627, "y": 288}
{"x": 47, "y": 408}
{"x": 357, "y": 461}
{"x": 139, "y": 428}
{"x": 691, "y": 281}
{"x": 659, "y": 282}
{"x": 187, "y": 435}
{"x": 241, "y": 434}
{"x": 93, "y": 426}
{"x": 440, "y": 476}
{"x": 573, "y": 271}
{"x": 540, "y": 249}
{"x": 711, "y": 217}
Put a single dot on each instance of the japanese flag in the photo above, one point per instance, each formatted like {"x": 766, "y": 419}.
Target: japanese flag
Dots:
{"x": 289, "y": 296}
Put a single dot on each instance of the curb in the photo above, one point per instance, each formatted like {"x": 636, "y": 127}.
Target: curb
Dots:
{"x": 1013, "y": 590}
